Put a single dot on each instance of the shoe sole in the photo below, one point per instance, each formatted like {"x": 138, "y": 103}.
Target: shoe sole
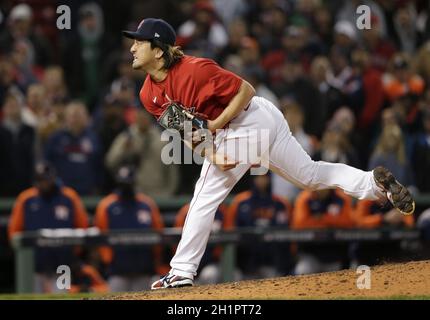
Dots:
{"x": 399, "y": 196}
{"x": 180, "y": 285}
{"x": 172, "y": 287}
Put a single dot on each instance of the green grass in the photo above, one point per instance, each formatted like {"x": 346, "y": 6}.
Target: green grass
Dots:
{"x": 80, "y": 296}
{"x": 61, "y": 296}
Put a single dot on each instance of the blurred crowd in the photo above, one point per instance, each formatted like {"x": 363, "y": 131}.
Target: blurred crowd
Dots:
{"x": 69, "y": 98}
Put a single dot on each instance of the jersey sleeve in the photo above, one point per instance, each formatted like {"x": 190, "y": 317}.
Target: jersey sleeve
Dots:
{"x": 215, "y": 82}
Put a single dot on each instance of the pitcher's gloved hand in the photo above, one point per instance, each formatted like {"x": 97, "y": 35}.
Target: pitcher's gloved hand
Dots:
{"x": 176, "y": 115}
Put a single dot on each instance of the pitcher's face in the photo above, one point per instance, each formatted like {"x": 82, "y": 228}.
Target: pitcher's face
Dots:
{"x": 143, "y": 54}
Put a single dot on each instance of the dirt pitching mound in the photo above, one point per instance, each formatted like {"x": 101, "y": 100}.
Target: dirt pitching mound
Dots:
{"x": 406, "y": 279}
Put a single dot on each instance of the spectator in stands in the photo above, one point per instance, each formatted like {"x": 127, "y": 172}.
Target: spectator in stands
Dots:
{"x": 233, "y": 63}
{"x": 322, "y": 209}
{"x": 228, "y": 10}
{"x": 375, "y": 41}
{"x": 49, "y": 122}
{"x": 130, "y": 268}
{"x": 256, "y": 76}
{"x": 118, "y": 111}
{"x": 369, "y": 214}
{"x": 140, "y": 145}
{"x": 268, "y": 21}
{"x": 122, "y": 92}
{"x": 259, "y": 208}
{"x": 390, "y": 153}
{"x": 209, "y": 269}
{"x": 55, "y": 85}
{"x": 7, "y": 78}
{"x": 20, "y": 28}
{"x": 203, "y": 32}
{"x": 83, "y": 54}
{"x": 348, "y": 12}
{"x": 323, "y": 27}
{"x": 344, "y": 120}
{"x": 40, "y": 114}
{"x": 294, "y": 115}
{"x": 421, "y": 62}
{"x": 114, "y": 61}
{"x": 405, "y": 27}
{"x": 295, "y": 85}
{"x": 111, "y": 122}
{"x": 17, "y": 142}
{"x": 400, "y": 81}
{"x": 327, "y": 97}
{"x": 36, "y": 105}
{"x": 345, "y": 36}
{"x": 237, "y": 31}
{"x": 249, "y": 52}
{"x": 45, "y": 109}
{"x": 48, "y": 205}
{"x": 294, "y": 49}
{"x": 26, "y": 73}
{"x": 389, "y": 117}
{"x": 75, "y": 151}
{"x": 421, "y": 155}
{"x": 336, "y": 147}
{"x": 305, "y": 9}
{"x": 374, "y": 96}
{"x": 343, "y": 79}
{"x": 403, "y": 88}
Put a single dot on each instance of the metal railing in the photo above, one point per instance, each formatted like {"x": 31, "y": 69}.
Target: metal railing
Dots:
{"x": 24, "y": 243}
{"x": 165, "y": 203}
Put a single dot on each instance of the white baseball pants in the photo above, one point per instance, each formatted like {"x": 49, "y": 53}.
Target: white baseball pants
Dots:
{"x": 284, "y": 156}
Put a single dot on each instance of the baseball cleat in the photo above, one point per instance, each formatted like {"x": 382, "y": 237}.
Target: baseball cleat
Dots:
{"x": 397, "y": 194}
{"x": 171, "y": 281}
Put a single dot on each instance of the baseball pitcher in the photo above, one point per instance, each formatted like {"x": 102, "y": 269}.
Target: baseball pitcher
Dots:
{"x": 180, "y": 88}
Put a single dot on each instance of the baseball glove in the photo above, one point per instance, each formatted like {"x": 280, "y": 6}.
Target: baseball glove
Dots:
{"x": 175, "y": 116}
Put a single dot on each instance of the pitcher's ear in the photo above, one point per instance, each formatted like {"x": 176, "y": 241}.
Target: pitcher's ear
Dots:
{"x": 158, "y": 52}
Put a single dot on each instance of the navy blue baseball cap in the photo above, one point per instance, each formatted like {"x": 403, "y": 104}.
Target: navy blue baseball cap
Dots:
{"x": 150, "y": 29}
{"x": 125, "y": 175}
{"x": 44, "y": 171}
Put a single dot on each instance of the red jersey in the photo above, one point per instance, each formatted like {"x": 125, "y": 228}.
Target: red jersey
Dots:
{"x": 197, "y": 83}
